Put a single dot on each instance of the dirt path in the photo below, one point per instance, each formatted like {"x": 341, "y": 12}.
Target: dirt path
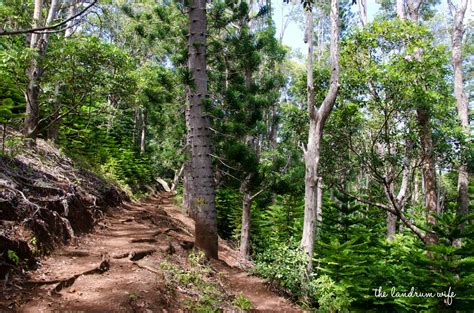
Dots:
{"x": 120, "y": 267}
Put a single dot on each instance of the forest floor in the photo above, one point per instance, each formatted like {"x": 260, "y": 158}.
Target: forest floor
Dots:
{"x": 139, "y": 259}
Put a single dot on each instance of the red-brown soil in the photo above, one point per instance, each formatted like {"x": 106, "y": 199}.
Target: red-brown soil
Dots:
{"x": 117, "y": 268}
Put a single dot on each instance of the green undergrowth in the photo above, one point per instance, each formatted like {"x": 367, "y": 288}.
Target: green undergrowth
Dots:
{"x": 352, "y": 261}
{"x": 203, "y": 287}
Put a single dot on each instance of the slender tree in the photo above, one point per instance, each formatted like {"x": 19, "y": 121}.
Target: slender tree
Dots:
{"x": 203, "y": 197}
{"x": 317, "y": 120}
{"x": 461, "y": 98}
{"x": 428, "y": 167}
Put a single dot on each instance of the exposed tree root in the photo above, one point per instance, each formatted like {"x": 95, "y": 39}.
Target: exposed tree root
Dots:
{"x": 135, "y": 255}
{"x": 150, "y": 269}
{"x": 75, "y": 253}
{"x": 186, "y": 245}
{"x": 68, "y": 282}
{"x": 146, "y": 240}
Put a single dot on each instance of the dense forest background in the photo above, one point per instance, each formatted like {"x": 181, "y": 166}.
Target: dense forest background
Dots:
{"x": 336, "y": 173}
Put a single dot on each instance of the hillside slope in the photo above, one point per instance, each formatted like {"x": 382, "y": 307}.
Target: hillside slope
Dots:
{"x": 141, "y": 259}
{"x": 45, "y": 201}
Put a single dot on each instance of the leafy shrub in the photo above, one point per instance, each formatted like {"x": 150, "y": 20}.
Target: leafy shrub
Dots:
{"x": 12, "y": 256}
{"x": 284, "y": 265}
{"x": 209, "y": 293}
{"x": 331, "y": 297}
{"x": 242, "y": 303}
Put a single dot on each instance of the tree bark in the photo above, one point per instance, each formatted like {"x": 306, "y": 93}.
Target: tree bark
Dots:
{"x": 415, "y": 196}
{"x": 187, "y": 187}
{"x": 461, "y": 100}
{"x": 32, "y": 90}
{"x": 362, "y": 11}
{"x": 319, "y": 205}
{"x": 187, "y": 175}
{"x": 428, "y": 169}
{"x": 143, "y": 131}
{"x": 400, "y": 8}
{"x": 317, "y": 121}
{"x": 310, "y": 155}
{"x": 35, "y": 71}
{"x": 72, "y": 10}
{"x": 413, "y": 9}
{"x": 245, "y": 231}
{"x": 203, "y": 198}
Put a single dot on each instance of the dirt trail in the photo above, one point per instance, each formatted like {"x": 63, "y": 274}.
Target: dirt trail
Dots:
{"x": 120, "y": 267}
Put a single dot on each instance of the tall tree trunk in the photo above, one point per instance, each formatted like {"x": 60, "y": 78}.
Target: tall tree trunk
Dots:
{"x": 415, "y": 194}
{"x": 413, "y": 9}
{"x": 32, "y": 90}
{"x": 187, "y": 187}
{"x": 391, "y": 225}
{"x": 400, "y": 8}
{"x": 136, "y": 127}
{"x": 187, "y": 175}
{"x": 273, "y": 134}
{"x": 461, "y": 99}
{"x": 143, "y": 131}
{"x": 319, "y": 205}
{"x": 428, "y": 169}
{"x": 316, "y": 124}
{"x": 35, "y": 71}
{"x": 362, "y": 11}
{"x": 70, "y": 25}
{"x": 246, "y": 207}
{"x": 203, "y": 199}
{"x": 310, "y": 155}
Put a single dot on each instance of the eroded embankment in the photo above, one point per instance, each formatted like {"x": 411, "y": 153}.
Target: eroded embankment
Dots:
{"x": 45, "y": 201}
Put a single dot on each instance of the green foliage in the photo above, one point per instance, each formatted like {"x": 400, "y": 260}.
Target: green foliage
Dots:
{"x": 331, "y": 296}
{"x": 285, "y": 266}
{"x": 242, "y": 303}
{"x": 229, "y": 212}
{"x": 352, "y": 260}
{"x": 12, "y": 256}
{"x": 115, "y": 92}
{"x": 210, "y": 296}
{"x": 278, "y": 223}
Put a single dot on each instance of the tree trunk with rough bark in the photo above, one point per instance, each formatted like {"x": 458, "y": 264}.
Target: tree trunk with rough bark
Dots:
{"x": 461, "y": 99}
{"x": 318, "y": 119}
{"x": 35, "y": 71}
{"x": 245, "y": 231}
{"x": 187, "y": 175}
{"x": 203, "y": 197}
{"x": 32, "y": 90}
{"x": 428, "y": 169}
